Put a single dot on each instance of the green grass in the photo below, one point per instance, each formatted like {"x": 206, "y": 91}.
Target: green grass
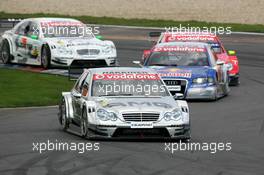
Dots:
{"x": 143, "y": 22}
{"x": 20, "y": 88}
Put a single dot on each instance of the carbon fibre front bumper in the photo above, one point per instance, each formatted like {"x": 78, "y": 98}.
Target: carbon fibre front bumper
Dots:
{"x": 114, "y": 132}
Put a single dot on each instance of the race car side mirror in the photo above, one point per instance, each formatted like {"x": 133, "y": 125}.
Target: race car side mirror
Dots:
{"x": 231, "y": 52}
{"x": 76, "y": 95}
{"x": 229, "y": 66}
{"x": 178, "y": 96}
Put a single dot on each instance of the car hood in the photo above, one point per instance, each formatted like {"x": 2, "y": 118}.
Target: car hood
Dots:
{"x": 77, "y": 42}
{"x": 185, "y": 72}
{"x": 136, "y": 104}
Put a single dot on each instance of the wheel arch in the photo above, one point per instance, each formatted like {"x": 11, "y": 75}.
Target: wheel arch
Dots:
{"x": 43, "y": 45}
{"x": 89, "y": 107}
{"x": 68, "y": 104}
{"x": 213, "y": 73}
{"x": 184, "y": 107}
{"x": 10, "y": 44}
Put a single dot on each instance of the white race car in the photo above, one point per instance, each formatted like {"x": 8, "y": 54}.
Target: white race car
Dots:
{"x": 124, "y": 102}
{"x": 55, "y": 42}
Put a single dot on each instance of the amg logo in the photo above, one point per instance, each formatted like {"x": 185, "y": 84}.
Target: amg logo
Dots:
{"x": 156, "y": 104}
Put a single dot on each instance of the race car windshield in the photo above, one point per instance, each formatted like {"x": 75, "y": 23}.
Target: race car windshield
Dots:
{"x": 123, "y": 87}
{"x": 66, "y": 31}
{"x": 178, "y": 58}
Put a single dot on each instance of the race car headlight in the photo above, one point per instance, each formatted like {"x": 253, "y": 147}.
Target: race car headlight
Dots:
{"x": 105, "y": 115}
{"x": 200, "y": 80}
{"x": 229, "y": 66}
{"x": 174, "y": 115}
{"x": 108, "y": 49}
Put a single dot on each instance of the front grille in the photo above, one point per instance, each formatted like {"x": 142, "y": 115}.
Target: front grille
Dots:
{"x": 88, "y": 51}
{"x": 141, "y": 117}
{"x": 174, "y": 83}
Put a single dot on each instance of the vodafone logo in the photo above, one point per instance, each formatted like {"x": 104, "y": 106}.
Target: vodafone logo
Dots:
{"x": 60, "y": 23}
{"x": 125, "y": 77}
{"x": 177, "y": 48}
{"x": 190, "y": 38}
{"x": 98, "y": 76}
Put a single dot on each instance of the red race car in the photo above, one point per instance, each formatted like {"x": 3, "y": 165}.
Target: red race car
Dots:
{"x": 228, "y": 56}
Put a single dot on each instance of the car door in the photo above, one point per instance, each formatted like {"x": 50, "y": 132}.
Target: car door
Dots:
{"x": 77, "y": 95}
{"x": 33, "y": 43}
{"x": 20, "y": 40}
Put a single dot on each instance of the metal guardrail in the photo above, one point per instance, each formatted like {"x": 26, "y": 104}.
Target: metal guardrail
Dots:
{"x": 7, "y": 23}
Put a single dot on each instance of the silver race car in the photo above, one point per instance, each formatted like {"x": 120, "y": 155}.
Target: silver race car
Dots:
{"x": 124, "y": 103}
{"x": 56, "y": 41}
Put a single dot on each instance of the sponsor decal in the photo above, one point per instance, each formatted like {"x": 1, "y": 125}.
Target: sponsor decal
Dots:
{"x": 190, "y": 38}
{"x": 131, "y": 104}
{"x": 179, "y": 49}
{"x": 174, "y": 72}
{"x": 60, "y": 23}
{"x": 174, "y": 88}
{"x": 126, "y": 77}
{"x": 34, "y": 52}
{"x": 141, "y": 125}
{"x": 24, "y": 41}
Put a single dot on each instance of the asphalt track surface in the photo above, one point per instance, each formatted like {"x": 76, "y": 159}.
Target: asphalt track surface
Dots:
{"x": 238, "y": 118}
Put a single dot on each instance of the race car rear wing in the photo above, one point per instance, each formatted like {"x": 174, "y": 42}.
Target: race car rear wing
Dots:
{"x": 77, "y": 66}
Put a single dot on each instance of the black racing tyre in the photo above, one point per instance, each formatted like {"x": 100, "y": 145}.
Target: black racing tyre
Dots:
{"x": 234, "y": 82}
{"x": 45, "y": 57}
{"x": 84, "y": 125}
{"x": 64, "y": 121}
{"x": 5, "y": 52}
